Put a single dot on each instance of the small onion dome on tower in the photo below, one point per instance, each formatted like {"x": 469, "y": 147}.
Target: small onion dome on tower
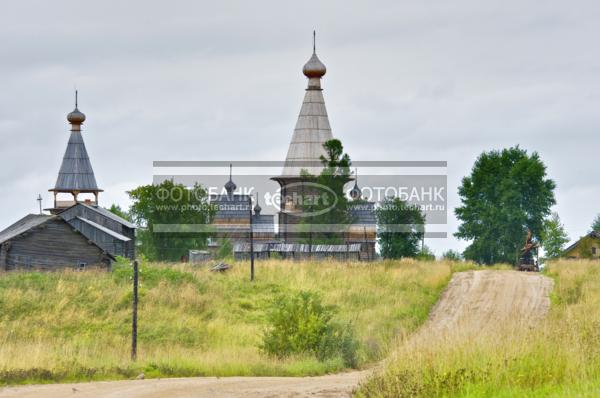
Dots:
{"x": 355, "y": 192}
{"x": 76, "y": 118}
{"x": 314, "y": 69}
{"x": 230, "y": 185}
{"x": 257, "y": 208}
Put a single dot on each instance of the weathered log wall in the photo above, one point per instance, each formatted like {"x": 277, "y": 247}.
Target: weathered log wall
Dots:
{"x": 52, "y": 245}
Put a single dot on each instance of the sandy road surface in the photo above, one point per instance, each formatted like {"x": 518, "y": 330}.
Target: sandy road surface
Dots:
{"x": 477, "y": 301}
{"x": 338, "y": 385}
{"x": 472, "y": 301}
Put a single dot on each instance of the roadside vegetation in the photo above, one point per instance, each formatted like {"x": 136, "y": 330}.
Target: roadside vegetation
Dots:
{"x": 560, "y": 357}
{"x": 68, "y": 326}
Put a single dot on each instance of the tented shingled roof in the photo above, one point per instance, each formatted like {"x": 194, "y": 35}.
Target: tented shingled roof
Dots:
{"x": 76, "y": 173}
{"x": 312, "y": 128}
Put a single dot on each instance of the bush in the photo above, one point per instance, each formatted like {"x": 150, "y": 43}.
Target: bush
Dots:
{"x": 301, "y": 324}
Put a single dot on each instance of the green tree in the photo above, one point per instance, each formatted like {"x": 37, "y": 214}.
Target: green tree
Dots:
{"x": 506, "y": 193}
{"x": 174, "y": 207}
{"x": 325, "y": 197}
{"x": 596, "y": 223}
{"x": 116, "y": 209}
{"x": 554, "y": 237}
{"x": 452, "y": 255}
{"x": 400, "y": 228}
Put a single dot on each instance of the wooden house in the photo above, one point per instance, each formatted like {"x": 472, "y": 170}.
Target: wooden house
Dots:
{"x": 47, "y": 242}
{"x": 587, "y": 247}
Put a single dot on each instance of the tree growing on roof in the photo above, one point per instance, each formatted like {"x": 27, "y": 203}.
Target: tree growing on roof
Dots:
{"x": 185, "y": 210}
{"x": 327, "y": 203}
{"x": 506, "y": 193}
{"x": 596, "y": 224}
{"x": 117, "y": 210}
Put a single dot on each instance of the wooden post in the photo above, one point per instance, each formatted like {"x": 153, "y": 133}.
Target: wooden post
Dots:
{"x": 366, "y": 245}
{"x": 135, "y": 312}
{"x": 310, "y": 242}
{"x": 251, "y": 242}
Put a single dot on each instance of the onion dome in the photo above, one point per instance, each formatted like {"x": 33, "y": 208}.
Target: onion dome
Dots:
{"x": 257, "y": 209}
{"x": 314, "y": 67}
{"x": 355, "y": 192}
{"x": 230, "y": 185}
{"x": 76, "y": 118}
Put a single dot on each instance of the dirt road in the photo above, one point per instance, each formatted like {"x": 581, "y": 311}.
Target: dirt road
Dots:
{"x": 477, "y": 301}
{"x": 473, "y": 301}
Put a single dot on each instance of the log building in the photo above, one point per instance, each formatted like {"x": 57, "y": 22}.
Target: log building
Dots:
{"x": 78, "y": 232}
{"x": 312, "y": 130}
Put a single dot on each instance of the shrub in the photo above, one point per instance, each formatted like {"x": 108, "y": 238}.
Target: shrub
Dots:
{"x": 301, "y": 324}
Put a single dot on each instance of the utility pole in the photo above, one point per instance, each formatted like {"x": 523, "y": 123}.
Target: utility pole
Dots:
{"x": 251, "y": 241}
{"x": 135, "y": 312}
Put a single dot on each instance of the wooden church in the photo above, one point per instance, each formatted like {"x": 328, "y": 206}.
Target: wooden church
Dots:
{"x": 77, "y": 232}
{"x": 312, "y": 130}
{"x": 357, "y": 240}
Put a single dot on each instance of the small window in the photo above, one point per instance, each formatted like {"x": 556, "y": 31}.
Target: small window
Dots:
{"x": 81, "y": 266}
{"x": 594, "y": 251}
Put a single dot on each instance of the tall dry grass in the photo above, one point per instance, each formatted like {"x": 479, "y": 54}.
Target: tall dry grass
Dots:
{"x": 76, "y": 325}
{"x": 558, "y": 358}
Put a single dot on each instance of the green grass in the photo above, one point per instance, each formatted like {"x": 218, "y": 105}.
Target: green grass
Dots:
{"x": 72, "y": 326}
{"x": 560, "y": 358}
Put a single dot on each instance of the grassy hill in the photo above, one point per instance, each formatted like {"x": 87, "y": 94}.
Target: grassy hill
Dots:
{"x": 560, "y": 358}
{"x": 69, "y": 325}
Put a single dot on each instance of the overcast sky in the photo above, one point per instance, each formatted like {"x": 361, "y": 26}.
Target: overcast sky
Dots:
{"x": 194, "y": 80}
